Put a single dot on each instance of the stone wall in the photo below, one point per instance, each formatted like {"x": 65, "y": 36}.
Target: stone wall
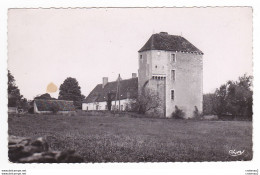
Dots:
{"x": 25, "y": 150}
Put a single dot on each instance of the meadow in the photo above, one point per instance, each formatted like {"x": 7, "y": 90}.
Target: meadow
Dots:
{"x": 122, "y": 138}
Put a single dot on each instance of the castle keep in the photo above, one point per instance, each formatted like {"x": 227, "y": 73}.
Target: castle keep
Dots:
{"x": 172, "y": 67}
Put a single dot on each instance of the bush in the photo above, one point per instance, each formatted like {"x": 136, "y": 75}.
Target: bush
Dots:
{"x": 31, "y": 110}
{"x": 196, "y": 113}
{"x": 178, "y": 113}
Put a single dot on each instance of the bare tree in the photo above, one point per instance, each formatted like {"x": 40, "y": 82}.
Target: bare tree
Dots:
{"x": 147, "y": 101}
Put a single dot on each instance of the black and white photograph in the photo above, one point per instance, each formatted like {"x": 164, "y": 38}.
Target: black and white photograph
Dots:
{"x": 95, "y": 85}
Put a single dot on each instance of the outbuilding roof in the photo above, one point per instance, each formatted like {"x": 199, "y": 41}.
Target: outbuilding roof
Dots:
{"x": 47, "y": 105}
{"x": 128, "y": 89}
{"x": 164, "y": 41}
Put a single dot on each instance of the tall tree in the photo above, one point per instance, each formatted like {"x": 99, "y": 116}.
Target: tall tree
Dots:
{"x": 221, "y": 99}
{"x": 209, "y": 104}
{"x": 239, "y": 98}
{"x": 14, "y": 96}
{"x": 70, "y": 90}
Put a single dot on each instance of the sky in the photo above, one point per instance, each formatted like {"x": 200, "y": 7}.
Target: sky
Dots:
{"x": 48, "y": 45}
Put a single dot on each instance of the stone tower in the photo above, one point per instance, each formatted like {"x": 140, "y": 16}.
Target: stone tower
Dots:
{"x": 172, "y": 67}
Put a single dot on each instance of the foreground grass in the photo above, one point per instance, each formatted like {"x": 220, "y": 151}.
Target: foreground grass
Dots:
{"x": 126, "y": 139}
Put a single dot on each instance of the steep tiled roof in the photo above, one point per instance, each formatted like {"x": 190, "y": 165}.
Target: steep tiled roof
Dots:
{"x": 163, "y": 41}
{"x": 47, "y": 105}
{"x": 128, "y": 88}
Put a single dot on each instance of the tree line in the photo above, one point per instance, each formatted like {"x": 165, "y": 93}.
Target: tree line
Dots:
{"x": 233, "y": 98}
{"x": 68, "y": 90}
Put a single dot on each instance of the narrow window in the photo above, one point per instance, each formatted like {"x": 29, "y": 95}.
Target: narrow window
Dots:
{"x": 173, "y": 75}
{"x": 172, "y": 94}
{"x": 158, "y": 88}
{"x": 173, "y": 57}
{"x": 141, "y": 58}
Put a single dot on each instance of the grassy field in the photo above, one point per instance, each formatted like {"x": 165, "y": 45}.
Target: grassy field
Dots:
{"x": 128, "y": 139}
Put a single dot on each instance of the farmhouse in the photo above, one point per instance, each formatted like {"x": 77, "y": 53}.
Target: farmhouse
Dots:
{"x": 172, "y": 67}
{"x": 119, "y": 93}
{"x": 42, "y": 106}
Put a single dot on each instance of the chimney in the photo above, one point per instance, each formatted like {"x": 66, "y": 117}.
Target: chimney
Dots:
{"x": 134, "y": 75}
{"x": 105, "y": 81}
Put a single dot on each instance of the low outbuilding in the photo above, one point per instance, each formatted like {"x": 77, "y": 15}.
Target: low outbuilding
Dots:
{"x": 42, "y": 106}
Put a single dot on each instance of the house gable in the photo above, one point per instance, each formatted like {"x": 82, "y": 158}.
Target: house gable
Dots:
{"x": 128, "y": 89}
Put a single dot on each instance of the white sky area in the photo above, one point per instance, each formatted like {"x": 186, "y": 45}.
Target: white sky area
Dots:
{"x": 49, "y": 45}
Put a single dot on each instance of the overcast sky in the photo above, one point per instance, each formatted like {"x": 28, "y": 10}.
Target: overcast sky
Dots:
{"x": 49, "y": 45}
